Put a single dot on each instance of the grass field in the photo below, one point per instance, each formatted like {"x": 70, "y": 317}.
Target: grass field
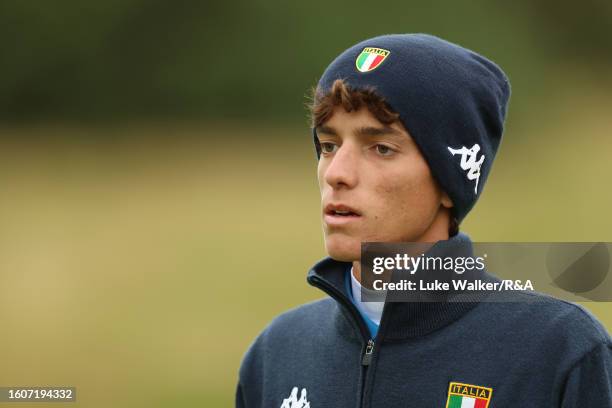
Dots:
{"x": 138, "y": 262}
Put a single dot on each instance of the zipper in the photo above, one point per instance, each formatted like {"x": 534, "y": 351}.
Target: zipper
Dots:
{"x": 366, "y": 358}
{"x": 365, "y": 363}
{"x": 367, "y": 355}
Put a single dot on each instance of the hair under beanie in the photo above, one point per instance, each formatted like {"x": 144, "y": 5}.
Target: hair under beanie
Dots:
{"x": 451, "y": 100}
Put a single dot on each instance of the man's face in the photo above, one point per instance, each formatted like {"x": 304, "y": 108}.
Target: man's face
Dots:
{"x": 375, "y": 184}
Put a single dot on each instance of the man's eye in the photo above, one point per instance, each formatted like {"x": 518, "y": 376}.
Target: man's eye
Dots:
{"x": 327, "y": 147}
{"x": 383, "y": 150}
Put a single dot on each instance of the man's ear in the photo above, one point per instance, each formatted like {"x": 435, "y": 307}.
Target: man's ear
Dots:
{"x": 446, "y": 201}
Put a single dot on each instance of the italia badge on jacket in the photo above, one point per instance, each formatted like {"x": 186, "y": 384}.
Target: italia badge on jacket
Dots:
{"x": 468, "y": 396}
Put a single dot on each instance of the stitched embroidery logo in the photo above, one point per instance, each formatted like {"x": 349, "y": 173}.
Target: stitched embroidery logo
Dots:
{"x": 468, "y": 396}
{"x": 371, "y": 58}
{"x": 294, "y": 402}
{"x": 469, "y": 162}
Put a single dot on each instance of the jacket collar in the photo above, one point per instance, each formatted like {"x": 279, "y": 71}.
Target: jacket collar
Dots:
{"x": 400, "y": 320}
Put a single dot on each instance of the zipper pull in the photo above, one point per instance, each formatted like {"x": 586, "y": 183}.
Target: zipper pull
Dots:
{"x": 367, "y": 357}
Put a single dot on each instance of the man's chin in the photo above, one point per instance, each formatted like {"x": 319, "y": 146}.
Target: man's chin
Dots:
{"x": 343, "y": 251}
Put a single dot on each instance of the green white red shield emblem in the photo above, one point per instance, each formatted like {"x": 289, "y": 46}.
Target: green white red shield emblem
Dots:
{"x": 468, "y": 396}
{"x": 371, "y": 58}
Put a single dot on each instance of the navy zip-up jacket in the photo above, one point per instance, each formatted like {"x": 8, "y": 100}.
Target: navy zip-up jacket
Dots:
{"x": 544, "y": 353}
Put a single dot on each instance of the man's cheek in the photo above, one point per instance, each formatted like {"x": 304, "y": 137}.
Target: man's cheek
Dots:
{"x": 393, "y": 198}
{"x": 320, "y": 176}
{"x": 384, "y": 190}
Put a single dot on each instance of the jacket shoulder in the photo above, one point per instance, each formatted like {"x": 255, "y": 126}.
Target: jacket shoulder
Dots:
{"x": 306, "y": 316}
{"x": 567, "y": 322}
{"x": 576, "y": 315}
{"x": 304, "y": 321}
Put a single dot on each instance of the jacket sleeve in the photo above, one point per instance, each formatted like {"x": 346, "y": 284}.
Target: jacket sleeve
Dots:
{"x": 240, "y": 402}
{"x": 250, "y": 376}
{"x": 589, "y": 383}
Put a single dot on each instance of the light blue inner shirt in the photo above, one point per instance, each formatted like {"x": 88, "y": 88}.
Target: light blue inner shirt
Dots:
{"x": 370, "y": 312}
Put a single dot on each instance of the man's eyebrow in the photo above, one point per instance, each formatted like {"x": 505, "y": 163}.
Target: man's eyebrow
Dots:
{"x": 363, "y": 131}
{"x": 377, "y": 131}
{"x": 326, "y": 130}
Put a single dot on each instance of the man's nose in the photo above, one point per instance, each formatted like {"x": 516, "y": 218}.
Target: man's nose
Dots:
{"x": 342, "y": 170}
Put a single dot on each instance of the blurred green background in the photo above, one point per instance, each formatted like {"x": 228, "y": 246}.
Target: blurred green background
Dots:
{"x": 159, "y": 200}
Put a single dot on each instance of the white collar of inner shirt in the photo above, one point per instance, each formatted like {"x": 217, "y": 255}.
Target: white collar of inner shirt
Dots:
{"x": 373, "y": 310}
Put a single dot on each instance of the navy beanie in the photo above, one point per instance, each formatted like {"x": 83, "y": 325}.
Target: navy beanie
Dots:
{"x": 451, "y": 100}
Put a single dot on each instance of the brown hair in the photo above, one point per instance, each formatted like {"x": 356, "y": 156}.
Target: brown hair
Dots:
{"x": 321, "y": 106}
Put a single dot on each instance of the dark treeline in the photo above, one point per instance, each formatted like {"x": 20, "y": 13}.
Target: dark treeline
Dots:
{"x": 244, "y": 59}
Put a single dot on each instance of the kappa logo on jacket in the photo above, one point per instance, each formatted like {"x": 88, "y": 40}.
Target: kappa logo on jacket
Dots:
{"x": 469, "y": 163}
{"x": 293, "y": 402}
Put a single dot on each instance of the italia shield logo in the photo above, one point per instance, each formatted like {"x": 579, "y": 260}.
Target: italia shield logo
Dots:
{"x": 468, "y": 396}
{"x": 371, "y": 58}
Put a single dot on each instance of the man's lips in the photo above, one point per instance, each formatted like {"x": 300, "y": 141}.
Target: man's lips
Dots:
{"x": 340, "y": 214}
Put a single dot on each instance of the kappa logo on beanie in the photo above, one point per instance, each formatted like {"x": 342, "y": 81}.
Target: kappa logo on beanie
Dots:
{"x": 448, "y": 98}
{"x": 469, "y": 163}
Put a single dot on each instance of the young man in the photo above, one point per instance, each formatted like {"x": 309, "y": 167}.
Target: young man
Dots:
{"x": 406, "y": 128}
